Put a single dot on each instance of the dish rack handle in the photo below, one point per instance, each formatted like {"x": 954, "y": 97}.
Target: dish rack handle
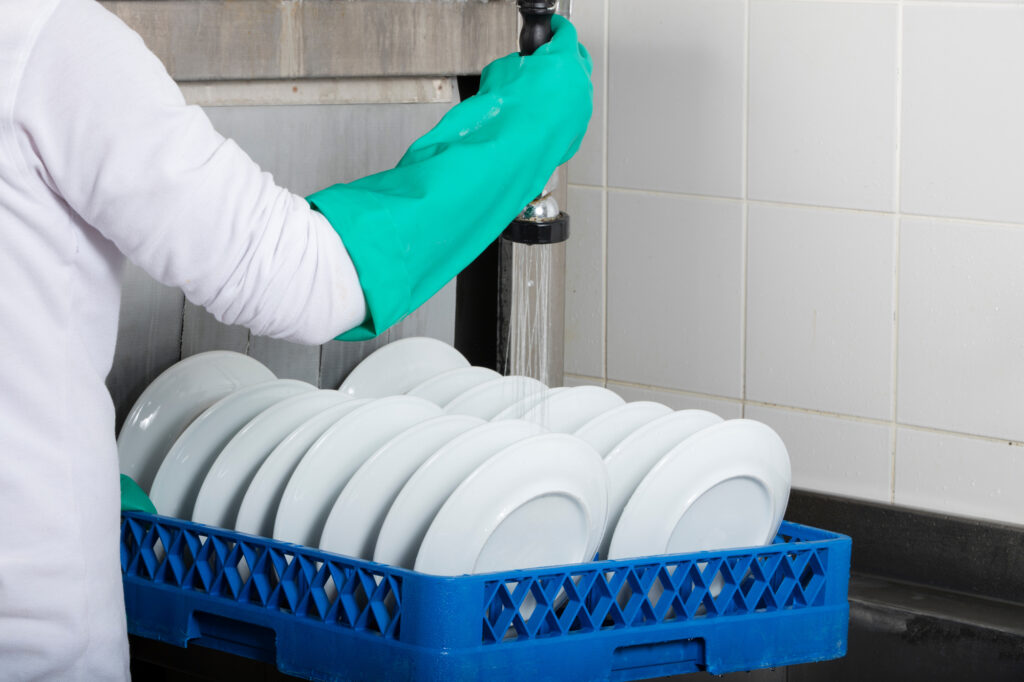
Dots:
{"x": 660, "y": 658}
{"x": 436, "y": 618}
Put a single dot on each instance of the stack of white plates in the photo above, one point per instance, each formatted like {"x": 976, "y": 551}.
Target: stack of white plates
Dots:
{"x": 421, "y": 461}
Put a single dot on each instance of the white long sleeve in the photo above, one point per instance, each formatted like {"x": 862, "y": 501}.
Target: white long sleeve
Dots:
{"x": 101, "y": 159}
{"x": 110, "y": 132}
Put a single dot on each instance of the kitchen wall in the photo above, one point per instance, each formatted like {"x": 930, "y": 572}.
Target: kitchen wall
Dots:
{"x": 811, "y": 213}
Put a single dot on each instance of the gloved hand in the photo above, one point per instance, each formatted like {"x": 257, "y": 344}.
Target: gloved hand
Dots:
{"x": 132, "y": 497}
{"x": 411, "y": 229}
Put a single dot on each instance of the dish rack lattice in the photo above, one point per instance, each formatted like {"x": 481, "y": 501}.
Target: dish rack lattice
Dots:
{"x": 325, "y": 616}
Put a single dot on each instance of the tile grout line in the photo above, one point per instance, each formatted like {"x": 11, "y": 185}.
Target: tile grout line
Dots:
{"x": 744, "y": 302}
{"x": 968, "y": 3}
{"x": 605, "y": 208}
{"x": 820, "y": 413}
{"x": 807, "y": 411}
{"x": 897, "y": 179}
{"x": 745, "y": 230}
{"x": 924, "y": 3}
{"x": 585, "y": 377}
{"x": 675, "y": 391}
{"x": 961, "y": 434}
{"x": 983, "y": 222}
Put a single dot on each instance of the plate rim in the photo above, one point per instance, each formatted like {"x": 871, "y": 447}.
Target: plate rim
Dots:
{"x": 564, "y": 445}
{"x": 657, "y": 473}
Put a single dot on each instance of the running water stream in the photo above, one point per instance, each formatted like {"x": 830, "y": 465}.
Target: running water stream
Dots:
{"x": 533, "y": 308}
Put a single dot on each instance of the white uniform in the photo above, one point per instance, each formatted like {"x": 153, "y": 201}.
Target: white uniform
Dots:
{"x": 99, "y": 157}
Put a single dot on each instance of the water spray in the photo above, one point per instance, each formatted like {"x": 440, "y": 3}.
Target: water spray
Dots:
{"x": 531, "y": 267}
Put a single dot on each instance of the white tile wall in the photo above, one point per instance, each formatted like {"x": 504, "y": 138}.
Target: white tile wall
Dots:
{"x": 831, "y": 293}
{"x": 958, "y": 475}
{"x": 675, "y": 292}
{"x": 820, "y": 309}
{"x": 822, "y": 103}
{"x": 584, "y": 283}
{"x": 675, "y": 95}
{"x": 963, "y": 103}
{"x": 961, "y": 358}
{"x": 840, "y": 456}
{"x": 571, "y": 380}
{"x": 587, "y": 167}
{"x": 726, "y": 409}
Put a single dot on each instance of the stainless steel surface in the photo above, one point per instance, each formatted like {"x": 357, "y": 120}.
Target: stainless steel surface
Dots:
{"x": 389, "y": 90}
{"x": 543, "y": 208}
{"x": 202, "y": 40}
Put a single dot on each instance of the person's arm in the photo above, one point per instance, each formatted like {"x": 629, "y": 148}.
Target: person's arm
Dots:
{"x": 109, "y": 131}
{"x": 411, "y": 229}
{"x": 195, "y": 212}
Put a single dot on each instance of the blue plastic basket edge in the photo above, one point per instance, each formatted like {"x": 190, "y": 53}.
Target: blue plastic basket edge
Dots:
{"x": 828, "y": 538}
{"x": 832, "y": 615}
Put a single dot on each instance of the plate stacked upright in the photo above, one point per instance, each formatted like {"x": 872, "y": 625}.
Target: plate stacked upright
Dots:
{"x": 422, "y": 461}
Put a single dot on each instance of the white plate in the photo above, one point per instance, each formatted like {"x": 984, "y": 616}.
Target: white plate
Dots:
{"x": 224, "y": 486}
{"x": 330, "y": 462}
{"x": 262, "y": 498}
{"x": 355, "y": 520}
{"x": 491, "y": 397}
{"x": 607, "y": 430}
{"x": 427, "y": 489}
{"x": 173, "y": 400}
{"x": 177, "y": 482}
{"x": 723, "y": 488}
{"x": 539, "y": 502}
{"x": 566, "y": 411}
{"x": 446, "y": 386}
{"x": 517, "y": 409}
{"x": 395, "y": 368}
{"x": 630, "y": 460}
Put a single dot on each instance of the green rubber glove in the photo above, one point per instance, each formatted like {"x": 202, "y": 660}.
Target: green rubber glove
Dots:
{"x": 132, "y": 497}
{"x": 411, "y": 229}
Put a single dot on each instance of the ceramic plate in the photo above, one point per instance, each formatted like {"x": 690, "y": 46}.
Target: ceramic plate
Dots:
{"x": 177, "y": 482}
{"x": 427, "y": 489}
{"x": 173, "y": 400}
{"x": 331, "y": 461}
{"x": 568, "y": 410}
{"x": 539, "y": 502}
{"x": 357, "y": 515}
{"x": 723, "y": 488}
{"x": 446, "y": 386}
{"x": 224, "y": 486}
{"x": 607, "y": 430}
{"x": 263, "y": 496}
{"x": 491, "y": 397}
{"x": 630, "y": 460}
{"x": 517, "y": 409}
{"x": 395, "y": 368}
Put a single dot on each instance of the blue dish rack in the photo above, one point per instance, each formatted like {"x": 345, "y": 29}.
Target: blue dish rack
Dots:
{"x": 323, "y": 616}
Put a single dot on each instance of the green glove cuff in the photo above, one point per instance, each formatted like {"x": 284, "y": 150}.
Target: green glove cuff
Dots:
{"x": 411, "y": 229}
{"x": 132, "y": 497}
